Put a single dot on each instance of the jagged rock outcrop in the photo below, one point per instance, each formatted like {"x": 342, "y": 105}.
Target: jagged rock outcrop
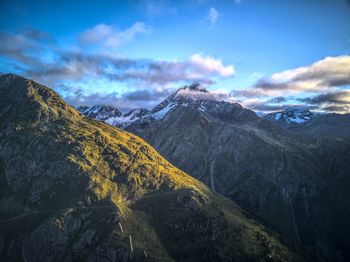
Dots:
{"x": 291, "y": 116}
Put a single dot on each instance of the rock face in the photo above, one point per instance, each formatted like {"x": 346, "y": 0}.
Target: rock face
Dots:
{"x": 294, "y": 182}
{"x": 327, "y": 125}
{"x": 74, "y": 189}
{"x": 291, "y": 116}
{"x": 304, "y": 122}
{"x": 100, "y": 112}
{"x": 112, "y": 115}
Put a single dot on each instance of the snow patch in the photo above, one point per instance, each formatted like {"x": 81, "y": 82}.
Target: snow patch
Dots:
{"x": 163, "y": 112}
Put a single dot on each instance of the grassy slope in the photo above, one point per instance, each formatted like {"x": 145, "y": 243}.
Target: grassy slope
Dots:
{"x": 104, "y": 176}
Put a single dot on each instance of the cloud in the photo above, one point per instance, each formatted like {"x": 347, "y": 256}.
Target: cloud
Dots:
{"x": 337, "y": 109}
{"x": 338, "y": 101}
{"x": 328, "y": 78}
{"x": 80, "y": 98}
{"x": 340, "y": 97}
{"x": 26, "y": 50}
{"x": 25, "y": 46}
{"x": 212, "y": 16}
{"x": 138, "y": 95}
{"x": 109, "y": 36}
{"x": 73, "y": 73}
{"x": 212, "y": 95}
{"x": 125, "y": 102}
{"x": 266, "y": 107}
{"x": 154, "y": 8}
{"x": 142, "y": 72}
{"x": 325, "y": 74}
{"x": 209, "y": 65}
{"x": 277, "y": 100}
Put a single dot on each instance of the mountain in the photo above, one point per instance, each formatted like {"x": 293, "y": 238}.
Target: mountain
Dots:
{"x": 296, "y": 183}
{"x": 304, "y": 122}
{"x": 76, "y": 189}
{"x": 112, "y": 115}
{"x": 100, "y": 112}
{"x": 292, "y": 115}
{"x": 326, "y": 125}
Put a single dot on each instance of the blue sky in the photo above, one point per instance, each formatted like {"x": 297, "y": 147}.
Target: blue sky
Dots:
{"x": 135, "y": 53}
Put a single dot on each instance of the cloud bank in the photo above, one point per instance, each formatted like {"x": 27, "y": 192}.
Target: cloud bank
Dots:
{"x": 74, "y": 71}
{"x": 325, "y": 83}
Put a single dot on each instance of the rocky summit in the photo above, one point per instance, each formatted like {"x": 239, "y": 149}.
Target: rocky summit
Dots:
{"x": 76, "y": 189}
{"x": 290, "y": 116}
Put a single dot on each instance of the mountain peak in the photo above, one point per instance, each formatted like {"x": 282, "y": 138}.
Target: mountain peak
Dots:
{"x": 194, "y": 87}
{"x": 30, "y": 102}
{"x": 294, "y": 115}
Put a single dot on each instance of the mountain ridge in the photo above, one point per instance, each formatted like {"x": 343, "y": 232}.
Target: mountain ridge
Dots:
{"x": 90, "y": 191}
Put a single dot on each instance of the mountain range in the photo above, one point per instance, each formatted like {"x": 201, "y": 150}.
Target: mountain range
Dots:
{"x": 77, "y": 189}
{"x": 288, "y": 168}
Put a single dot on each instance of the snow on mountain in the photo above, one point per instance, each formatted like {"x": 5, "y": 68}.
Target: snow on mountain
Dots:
{"x": 127, "y": 118}
{"x": 194, "y": 96}
{"x": 112, "y": 115}
{"x": 100, "y": 112}
{"x": 197, "y": 97}
{"x": 291, "y": 116}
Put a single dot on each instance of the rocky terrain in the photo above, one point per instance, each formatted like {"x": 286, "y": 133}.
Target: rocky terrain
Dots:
{"x": 311, "y": 124}
{"x": 100, "y": 112}
{"x": 296, "y": 182}
{"x": 291, "y": 116}
{"x": 76, "y": 189}
{"x": 112, "y": 115}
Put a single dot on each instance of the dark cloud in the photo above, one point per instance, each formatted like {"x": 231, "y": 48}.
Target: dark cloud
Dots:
{"x": 340, "y": 97}
{"x": 125, "y": 101}
{"x": 277, "y": 100}
{"x": 329, "y": 77}
{"x": 331, "y": 72}
{"x": 139, "y": 95}
{"x": 26, "y": 46}
{"x": 266, "y": 107}
{"x": 338, "y": 109}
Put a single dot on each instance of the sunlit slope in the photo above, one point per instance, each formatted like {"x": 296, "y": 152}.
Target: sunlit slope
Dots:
{"x": 72, "y": 188}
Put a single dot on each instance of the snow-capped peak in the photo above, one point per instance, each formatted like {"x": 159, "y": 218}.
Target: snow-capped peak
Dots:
{"x": 294, "y": 115}
{"x": 195, "y": 87}
{"x": 99, "y": 112}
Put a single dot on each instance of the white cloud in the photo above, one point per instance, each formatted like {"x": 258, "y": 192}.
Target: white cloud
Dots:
{"x": 109, "y": 36}
{"x": 212, "y": 95}
{"x": 209, "y": 65}
{"x": 213, "y": 15}
{"x": 325, "y": 84}
{"x": 325, "y": 74}
{"x": 154, "y": 8}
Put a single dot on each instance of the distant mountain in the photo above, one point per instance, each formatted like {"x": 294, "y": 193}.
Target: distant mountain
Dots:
{"x": 326, "y": 125}
{"x": 293, "y": 115}
{"x": 100, "y": 112}
{"x": 112, "y": 115}
{"x": 75, "y": 189}
{"x": 304, "y": 122}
